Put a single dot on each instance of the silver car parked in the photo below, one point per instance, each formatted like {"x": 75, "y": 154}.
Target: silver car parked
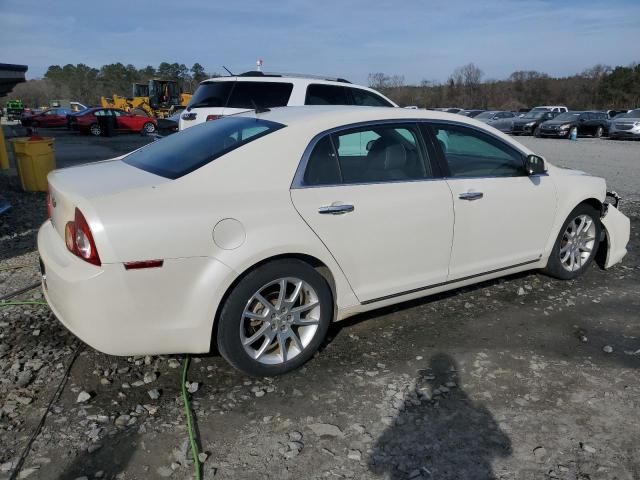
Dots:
{"x": 500, "y": 119}
{"x": 625, "y": 125}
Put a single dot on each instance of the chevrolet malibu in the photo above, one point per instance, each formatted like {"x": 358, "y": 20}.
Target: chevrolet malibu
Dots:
{"x": 254, "y": 232}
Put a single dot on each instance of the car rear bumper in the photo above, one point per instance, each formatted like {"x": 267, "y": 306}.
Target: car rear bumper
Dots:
{"x": 132, "y": 312}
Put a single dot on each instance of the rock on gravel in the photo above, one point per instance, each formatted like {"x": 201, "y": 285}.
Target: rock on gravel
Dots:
{"x": 83, "y": 397}
{"x": 326, "y": 430}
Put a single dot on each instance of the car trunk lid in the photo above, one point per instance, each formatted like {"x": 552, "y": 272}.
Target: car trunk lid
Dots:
{"x": 69, "y": 186}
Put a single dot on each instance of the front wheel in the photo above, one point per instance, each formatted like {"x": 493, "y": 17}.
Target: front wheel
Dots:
{"x": 95, "y": 130}
{"x": 577, "y": 243}
{"x": 599, "y": 132}
{"x": 536, "y": 132}
{"x": 275, "y": 319}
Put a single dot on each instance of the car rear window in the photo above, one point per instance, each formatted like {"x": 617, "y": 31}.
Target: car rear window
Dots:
{"x": 260, "y": 95}
{"x": 211, "y": 94}
{"x": 181, "y": 153}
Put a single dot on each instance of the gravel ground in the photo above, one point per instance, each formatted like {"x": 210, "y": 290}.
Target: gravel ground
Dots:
{"x": 521, "y": 378}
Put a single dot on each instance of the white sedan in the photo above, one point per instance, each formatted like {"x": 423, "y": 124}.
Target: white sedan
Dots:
{"x": 255, "y": 232}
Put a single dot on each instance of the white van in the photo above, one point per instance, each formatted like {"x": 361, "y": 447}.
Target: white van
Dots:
{"x": 217, "y": 97}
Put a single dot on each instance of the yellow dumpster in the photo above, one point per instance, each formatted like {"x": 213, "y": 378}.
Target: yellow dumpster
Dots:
{"x": 35, "y": 158}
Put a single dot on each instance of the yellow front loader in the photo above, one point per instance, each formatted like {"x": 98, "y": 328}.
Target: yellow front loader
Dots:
{"x": 158, "y": 98}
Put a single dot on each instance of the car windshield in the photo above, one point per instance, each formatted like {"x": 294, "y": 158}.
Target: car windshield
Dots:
{"x": 535, "y": 114}
{"x": 540, "y": 109}
{"x": 632, "y": 114}
{"x": 567, "y": 116}
{"x": 181, "y": 153}
{"x": 485, "y": 115}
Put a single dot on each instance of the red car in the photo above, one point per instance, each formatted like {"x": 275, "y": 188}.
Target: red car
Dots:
{"x": 86, "y": 121}
{"x": 52, "y": 117}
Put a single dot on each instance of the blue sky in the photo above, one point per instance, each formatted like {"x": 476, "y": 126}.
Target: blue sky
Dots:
{"x": 418, "y": 39}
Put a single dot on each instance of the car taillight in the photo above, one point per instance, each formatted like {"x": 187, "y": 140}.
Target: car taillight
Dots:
{"x": 213, "y": 117}
{"x": 79, "y": 240}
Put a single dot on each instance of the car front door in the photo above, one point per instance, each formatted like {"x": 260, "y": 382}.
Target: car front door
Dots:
{"x": 502, "y": 216}
{"x": 372, "y": 197}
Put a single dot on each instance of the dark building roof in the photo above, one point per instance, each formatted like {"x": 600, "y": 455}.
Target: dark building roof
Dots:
{"x": 10, "y": 76}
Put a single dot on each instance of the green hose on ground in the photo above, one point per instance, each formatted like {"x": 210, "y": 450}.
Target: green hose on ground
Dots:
{"x": 187, "y": 411}
{"x": 185, "y": 397}
{"x": 9, "y": 304}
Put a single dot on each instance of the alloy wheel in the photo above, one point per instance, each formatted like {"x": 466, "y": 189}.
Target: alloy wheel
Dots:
{"x": 577, "y": 242}
{"x": 280, "y": 320}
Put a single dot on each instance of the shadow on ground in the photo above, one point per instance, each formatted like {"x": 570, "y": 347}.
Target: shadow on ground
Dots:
{"x": 111, "y": 458}
{"x": 445, "y": 437}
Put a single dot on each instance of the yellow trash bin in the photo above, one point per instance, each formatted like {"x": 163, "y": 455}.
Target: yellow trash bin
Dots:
{"x": 35, "y": 158}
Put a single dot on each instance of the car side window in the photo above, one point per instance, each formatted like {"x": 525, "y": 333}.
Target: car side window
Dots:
{"x": 319, "y": 94}
{"x": 260, "y": 95}
{"x": 471, "y": 153}
{"x": 368, "y": 99}
{"x": 117, "y": 113}
{"x": 382, "y": 153}
{"x": 322, "y": 167}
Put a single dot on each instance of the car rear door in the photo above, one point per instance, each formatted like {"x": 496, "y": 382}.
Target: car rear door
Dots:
{"x": 503, "y": 217}
{"x": 372, "y": 196}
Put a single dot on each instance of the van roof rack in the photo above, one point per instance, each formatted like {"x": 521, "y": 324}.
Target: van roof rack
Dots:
{"x": 256, "y": 73}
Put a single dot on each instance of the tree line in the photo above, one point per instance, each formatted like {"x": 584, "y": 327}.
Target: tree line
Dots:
{"x": 598, "y": 87}
{"x": 86, "y": 84}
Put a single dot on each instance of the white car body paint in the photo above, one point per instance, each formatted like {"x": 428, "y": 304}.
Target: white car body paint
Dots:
{"x": 404, "y": 240}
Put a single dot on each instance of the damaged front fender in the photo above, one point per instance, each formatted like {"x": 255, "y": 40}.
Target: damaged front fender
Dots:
{"x": 617, "y": 229}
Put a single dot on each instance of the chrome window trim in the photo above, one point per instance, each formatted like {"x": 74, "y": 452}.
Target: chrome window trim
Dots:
{"x": 298, "y": 178}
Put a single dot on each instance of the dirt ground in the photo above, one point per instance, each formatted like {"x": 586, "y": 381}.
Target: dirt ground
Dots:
{"x": 525, "y": 377}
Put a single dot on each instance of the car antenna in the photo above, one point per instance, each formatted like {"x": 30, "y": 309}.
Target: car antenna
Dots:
{"x": 257, "y": 109}
{"x": 228, "y": 71}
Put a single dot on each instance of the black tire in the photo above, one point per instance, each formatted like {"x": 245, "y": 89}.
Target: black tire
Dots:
{"x": 228, "y": 334}
{"x": 554, "y": 266}
{"x": 95, "y": 129}
{"x": 599, "y": 132}
{"x": 536, "y": 132}
{"x": 148, "y": 128}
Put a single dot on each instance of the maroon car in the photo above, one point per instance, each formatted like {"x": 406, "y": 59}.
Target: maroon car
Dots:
{"x": 52, "y": 117}
{"x": 87, "y": 121}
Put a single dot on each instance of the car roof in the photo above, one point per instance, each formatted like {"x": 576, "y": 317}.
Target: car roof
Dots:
{"x": 324, "y": 117}
{"x": 290, "y": 78}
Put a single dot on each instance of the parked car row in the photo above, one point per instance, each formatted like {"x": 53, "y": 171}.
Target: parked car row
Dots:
{"x": 87, "y": 120}
{"x": 557, "y": 121}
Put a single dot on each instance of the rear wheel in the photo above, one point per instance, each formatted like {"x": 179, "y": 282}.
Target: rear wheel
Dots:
{"x": 599, "y": 132}
{"x": 577, "y": 243}
{"x": 94, "y": 129}
{"x": 536, "y": 132}
{"x": 275, "y": 319}
{"x": 148, "y": 128}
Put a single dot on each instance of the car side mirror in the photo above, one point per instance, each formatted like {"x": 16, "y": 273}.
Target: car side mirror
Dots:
{"x": 534, "y": 165}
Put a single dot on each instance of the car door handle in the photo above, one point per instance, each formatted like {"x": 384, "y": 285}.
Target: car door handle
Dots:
{"x": 336, "y": 209}
{"x": 470, "y": 195}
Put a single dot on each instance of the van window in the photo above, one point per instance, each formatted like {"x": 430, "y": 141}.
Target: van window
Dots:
{"x": 260, "y": 95}
{"x": 318, "y": 94}
{"x": 368, "y": 99}
{"x": 211, "y": 94}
